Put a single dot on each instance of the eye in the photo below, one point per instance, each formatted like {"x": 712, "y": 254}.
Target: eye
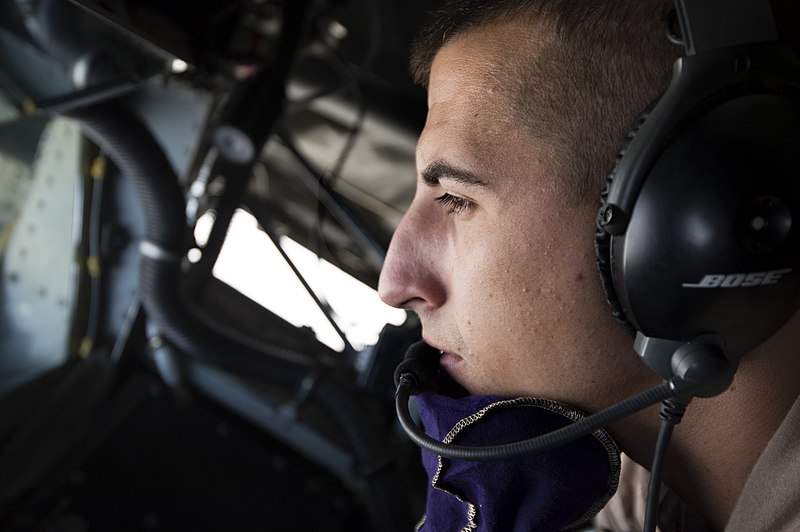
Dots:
{"x": 455, "y": 204}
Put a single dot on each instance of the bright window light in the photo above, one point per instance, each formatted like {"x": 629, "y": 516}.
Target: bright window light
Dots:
{"x": 251, "y": 264}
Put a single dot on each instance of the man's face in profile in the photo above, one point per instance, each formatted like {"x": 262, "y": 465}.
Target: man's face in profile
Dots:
{"x": 499, "y": 267}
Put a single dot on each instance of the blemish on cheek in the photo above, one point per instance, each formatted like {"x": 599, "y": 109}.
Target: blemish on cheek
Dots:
{"x": 579, "y": 277}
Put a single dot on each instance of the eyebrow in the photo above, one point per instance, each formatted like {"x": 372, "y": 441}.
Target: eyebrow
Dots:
{"x": 441, "y": 170}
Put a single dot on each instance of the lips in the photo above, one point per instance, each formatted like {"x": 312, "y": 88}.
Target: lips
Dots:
{"x": 448, "y": 360}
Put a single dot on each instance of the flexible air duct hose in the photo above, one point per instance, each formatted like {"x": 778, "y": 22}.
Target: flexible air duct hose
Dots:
{"x": 139, "y": 157}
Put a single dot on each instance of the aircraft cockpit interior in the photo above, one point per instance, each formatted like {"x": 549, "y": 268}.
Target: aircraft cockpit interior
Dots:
{"x": 195, "y": 202}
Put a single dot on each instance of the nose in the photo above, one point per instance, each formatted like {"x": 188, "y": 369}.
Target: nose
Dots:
{"x": 411, "y": 275}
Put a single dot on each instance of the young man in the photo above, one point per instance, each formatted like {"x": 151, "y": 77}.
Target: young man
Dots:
{"x": 528, "y": 103}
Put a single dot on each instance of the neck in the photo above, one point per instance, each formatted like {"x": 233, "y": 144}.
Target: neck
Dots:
{"x": 716, "y": 446}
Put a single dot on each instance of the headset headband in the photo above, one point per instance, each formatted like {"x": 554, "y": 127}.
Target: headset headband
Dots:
{"x": 744, "y": 22}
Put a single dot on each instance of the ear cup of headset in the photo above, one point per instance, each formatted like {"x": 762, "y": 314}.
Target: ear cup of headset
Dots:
{"x": 602, "y": 240}
{"x": 712, "y": 246}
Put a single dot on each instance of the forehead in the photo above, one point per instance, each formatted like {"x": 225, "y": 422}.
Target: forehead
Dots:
{"x": 472, "y": 115}
{"x": 477, "y": 71}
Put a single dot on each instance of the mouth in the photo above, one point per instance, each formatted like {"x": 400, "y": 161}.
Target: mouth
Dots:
{"x": 448, "y": 360}
{"x": 452, "y": 370}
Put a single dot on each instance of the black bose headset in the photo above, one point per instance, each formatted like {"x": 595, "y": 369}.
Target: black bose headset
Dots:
{"x": 698, "y": 243}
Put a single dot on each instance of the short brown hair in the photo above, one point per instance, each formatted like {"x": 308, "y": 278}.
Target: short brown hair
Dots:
{"x": 601, "y": 63}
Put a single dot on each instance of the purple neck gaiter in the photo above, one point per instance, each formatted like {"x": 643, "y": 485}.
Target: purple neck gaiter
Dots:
{"x": 561, "y": 489}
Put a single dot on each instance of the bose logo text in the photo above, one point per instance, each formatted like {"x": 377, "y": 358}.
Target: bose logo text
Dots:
{"x": 739, "y": 280}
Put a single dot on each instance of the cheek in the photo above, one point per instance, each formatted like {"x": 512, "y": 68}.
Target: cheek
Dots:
{"x": 497, "y": 284}
{"x": 518, "y": 285}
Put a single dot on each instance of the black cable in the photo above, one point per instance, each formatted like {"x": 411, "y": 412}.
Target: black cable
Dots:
{"x": 350, "y": 79}
{"x": 536, "y": 445}
{"x": 94, "y": 253}
{"x": 88, "y": 315}
{"x": 323, "y": 306}
{"x": 671, "y": 414}
{"x": 329, "y": 177}
{"x": 374, "y": 251}
{"x": 656, "y": 468}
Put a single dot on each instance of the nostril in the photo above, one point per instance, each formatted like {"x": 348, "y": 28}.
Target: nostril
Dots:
{"x": 405, "y": 284}
{"x": 395, "y": 294}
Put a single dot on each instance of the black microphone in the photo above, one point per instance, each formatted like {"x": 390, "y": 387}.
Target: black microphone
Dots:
{"x": 416, "y": 372}
{"x": 420, "y": 365}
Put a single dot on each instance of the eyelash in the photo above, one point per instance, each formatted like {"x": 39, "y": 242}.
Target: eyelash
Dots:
{"x": 455, "y": 204}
